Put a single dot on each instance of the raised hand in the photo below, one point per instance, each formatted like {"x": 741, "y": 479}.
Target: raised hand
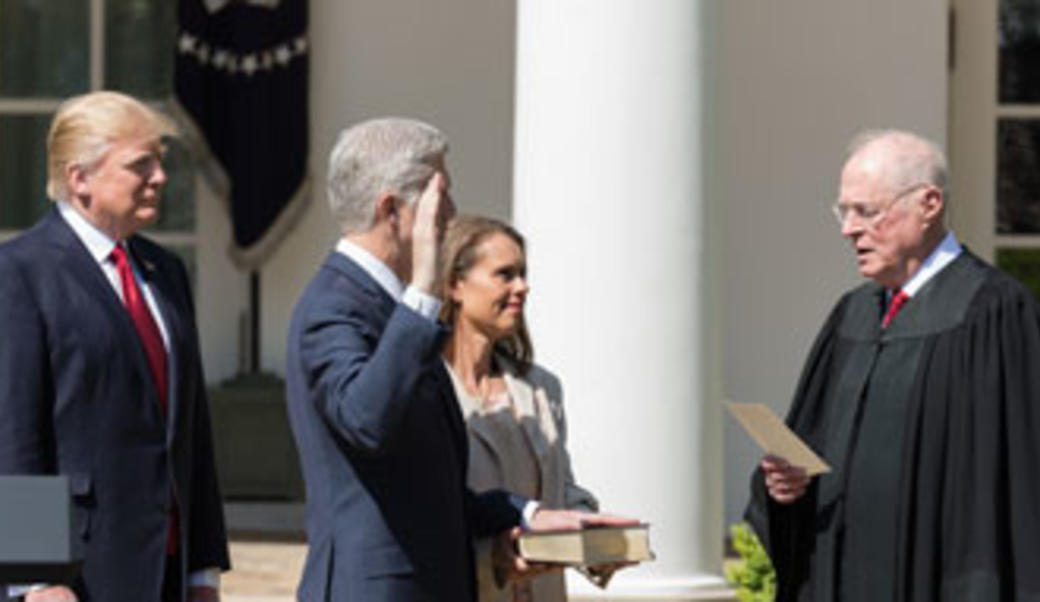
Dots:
{"x": 432, "y": 212}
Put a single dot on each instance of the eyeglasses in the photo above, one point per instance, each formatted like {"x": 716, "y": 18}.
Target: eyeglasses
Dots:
{"x": 871, "y": 214}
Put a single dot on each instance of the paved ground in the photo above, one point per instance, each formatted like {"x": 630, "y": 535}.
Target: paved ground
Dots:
{"x": 267, "y": 554}
{"x": 268, "y": 571}
{"x": 263, "y": 571}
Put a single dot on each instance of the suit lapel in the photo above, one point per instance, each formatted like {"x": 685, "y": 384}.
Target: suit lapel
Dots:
{"x": 453, "y": 414}
{"x": 83, "y": 268}
{"x": 472, "y": 415}
{"x": 531, "y": 413}
{"x": 165, "y": 293}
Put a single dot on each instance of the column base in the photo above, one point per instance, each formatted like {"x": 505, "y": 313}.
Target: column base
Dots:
{"x": 699, "y": 588}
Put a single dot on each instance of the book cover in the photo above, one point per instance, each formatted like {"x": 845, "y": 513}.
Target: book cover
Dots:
{"x": 591, "y": 546}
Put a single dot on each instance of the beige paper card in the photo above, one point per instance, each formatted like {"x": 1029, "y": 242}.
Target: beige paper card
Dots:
{"x": 773, "y": 436}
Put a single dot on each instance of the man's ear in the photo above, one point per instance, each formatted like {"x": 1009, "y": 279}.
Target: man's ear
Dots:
{"x": 932, "y": 204}
{"x": 76, "y": 181}
{"x": 386, "y": 209}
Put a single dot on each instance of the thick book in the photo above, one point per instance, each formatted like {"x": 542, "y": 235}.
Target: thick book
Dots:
{"x": 588, "y": 547}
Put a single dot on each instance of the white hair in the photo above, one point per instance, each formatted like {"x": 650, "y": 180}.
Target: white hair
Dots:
{"x": 911, "y": 158}
{"x": 380, "y": 156}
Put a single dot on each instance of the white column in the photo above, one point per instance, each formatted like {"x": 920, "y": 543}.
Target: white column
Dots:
{"x": 610, "y": 189}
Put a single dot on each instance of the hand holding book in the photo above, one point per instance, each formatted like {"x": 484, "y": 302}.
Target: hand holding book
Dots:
{"x": 508, "y": 565}
{"x": 512, "y": 557}
{"x": 789, "y": 463}
{"x": 595, "y": 544}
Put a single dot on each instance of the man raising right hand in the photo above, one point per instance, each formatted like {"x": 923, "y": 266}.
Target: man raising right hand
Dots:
{"x": 381, "y": 439}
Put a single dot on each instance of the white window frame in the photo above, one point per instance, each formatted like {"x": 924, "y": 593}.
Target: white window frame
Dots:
{"x": 221, "y": 291}
{"x": 974, "y": 112}
{"x": 96, "y": 79}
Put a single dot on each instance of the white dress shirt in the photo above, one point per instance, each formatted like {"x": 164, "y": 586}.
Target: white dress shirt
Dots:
{"x": 100, "y": 247}
{"x": 942, "y": 256}
{"x": 424, "y": 303}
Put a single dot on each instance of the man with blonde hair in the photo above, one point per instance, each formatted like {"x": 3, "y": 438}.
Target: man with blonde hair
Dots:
{"x": 921, "y": 392}
{"x": 100, "y": 372}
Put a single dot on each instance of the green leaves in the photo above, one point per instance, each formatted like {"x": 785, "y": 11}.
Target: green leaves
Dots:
{"x": 753, "y": 574}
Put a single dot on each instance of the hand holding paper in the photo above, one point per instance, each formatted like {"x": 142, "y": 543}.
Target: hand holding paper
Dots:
{"x": 773, "y": 436}
{"x": 786, "y": 483}
{"x": 789, "y": 464}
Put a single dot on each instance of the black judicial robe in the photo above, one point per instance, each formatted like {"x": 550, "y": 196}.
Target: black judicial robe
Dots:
{"x": 932, "y": 428}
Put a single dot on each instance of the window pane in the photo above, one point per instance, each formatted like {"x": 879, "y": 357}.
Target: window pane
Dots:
{"x": 1023, "y": 264}
{"x": 23, "y": 169}
{"x": 1018, "y": 176}
{"x": 23, "y": 177}
{"x": 139, "y": 45}
{"x": 178, "y": 199}
{"x": 1019, "y": 50}
{"x": 43, "y": 47}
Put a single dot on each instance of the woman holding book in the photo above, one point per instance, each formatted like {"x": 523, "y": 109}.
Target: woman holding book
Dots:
{"x": 513, "y": 408}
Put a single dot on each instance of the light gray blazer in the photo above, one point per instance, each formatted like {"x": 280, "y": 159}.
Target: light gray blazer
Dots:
{"x": 538, "y": 399}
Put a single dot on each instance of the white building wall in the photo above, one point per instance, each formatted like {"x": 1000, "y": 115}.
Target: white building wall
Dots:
{"x": 448, "y": 62}
{"x": 795, "y": 80}
{"x": 221, "y": 291}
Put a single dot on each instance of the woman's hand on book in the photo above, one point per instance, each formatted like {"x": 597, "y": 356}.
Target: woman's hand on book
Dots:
{"x": 545, "y": 519}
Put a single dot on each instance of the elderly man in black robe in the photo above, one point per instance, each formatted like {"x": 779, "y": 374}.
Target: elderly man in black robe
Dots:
{"x": 922, "y": 391}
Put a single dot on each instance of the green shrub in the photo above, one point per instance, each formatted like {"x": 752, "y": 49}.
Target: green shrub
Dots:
{"x": 753, "y": 574}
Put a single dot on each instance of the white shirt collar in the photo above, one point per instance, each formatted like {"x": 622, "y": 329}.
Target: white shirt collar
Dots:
{"x": 96, "y": 241}
{"x": 946, "y": 252}
{"x": 373, "y": 267}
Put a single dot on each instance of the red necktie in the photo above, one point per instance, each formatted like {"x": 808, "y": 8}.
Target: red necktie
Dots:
{"x": 151, "y": 338}
{"x": 894, "y": 306}
{"x": 144, "y": 322}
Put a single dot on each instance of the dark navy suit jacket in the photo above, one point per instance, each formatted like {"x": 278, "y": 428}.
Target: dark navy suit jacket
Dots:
{"x": 383, "y": 447}
{"x": 77, "y": 398}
